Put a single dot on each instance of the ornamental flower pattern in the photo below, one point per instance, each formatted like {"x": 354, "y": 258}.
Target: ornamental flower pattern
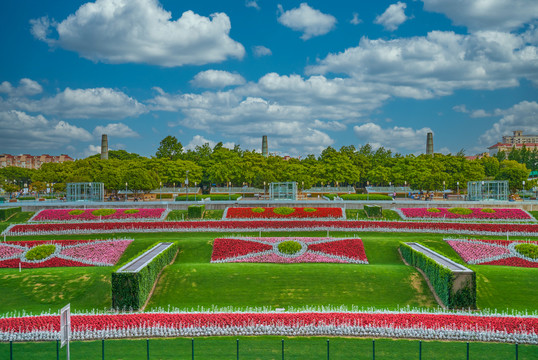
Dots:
{"x": 63, "y": 215}
{"x": 266, "y": 250}
{"x": 67, "y": 253}
{"x": 476, "y": 215}
{"x": 438, "y": 326}
{"x": 298, "y": 213}
{"x": 492, "y": 252}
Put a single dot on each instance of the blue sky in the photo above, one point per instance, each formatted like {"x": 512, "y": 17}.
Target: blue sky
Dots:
{"x": 307, "y": 74}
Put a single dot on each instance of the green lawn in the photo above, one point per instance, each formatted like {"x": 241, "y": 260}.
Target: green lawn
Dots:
{"x": 359, "y": 214}
{"x": 17, "y": 218}
{"x": 270, "y": 347}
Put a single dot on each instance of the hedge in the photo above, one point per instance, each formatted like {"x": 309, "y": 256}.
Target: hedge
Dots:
{"x": 376, "y": 197}
{"x": 131, "y": 290}
{"x": 195, "y": 211}
{"x": 7, "y": 212}
{"x": 26, "y": 198}
{"x": 212, "y": 197}
{"x": 442, "y": 279}
{"x": 373, "y": 211}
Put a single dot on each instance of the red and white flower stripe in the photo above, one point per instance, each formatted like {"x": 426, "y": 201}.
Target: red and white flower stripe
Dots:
{"x": 433, "y": 326}
{"x": 272, "y": 225}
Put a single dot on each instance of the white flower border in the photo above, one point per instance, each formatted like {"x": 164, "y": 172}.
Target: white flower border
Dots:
{"x": 511, "y": 247}
{"x": 531, "y": 219}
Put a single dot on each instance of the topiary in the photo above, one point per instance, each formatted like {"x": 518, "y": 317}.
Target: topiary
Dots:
{"x": 309, "y": 209}
{"x": 487, "y": 210}
{"x": 40, "y": 252}
{"x": 289, "y": 247}
{"x": 76, "y": 212}
{"x": 131, "y": 211}
{"x": 284, "y": 210}
{"x": 529, "y": 250}
{"x": 433, "y": 210}
{"x": 460, "y": 211}
{"x": 258, "y": 210}
{"x": 103, "y": 212}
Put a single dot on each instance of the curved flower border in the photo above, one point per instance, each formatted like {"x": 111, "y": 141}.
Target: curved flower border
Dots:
{"x": 392, "y": 324}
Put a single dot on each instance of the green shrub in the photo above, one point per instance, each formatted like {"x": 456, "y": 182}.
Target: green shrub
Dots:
{"x": 215, "y": 197}
{"x": 131, "y": 290}
{"x": 40, "y": 252}
{"x": 104, "y": 212}
{"x": 309, "y": 209}
{"x": 460, "y": 211}
{"x": 529, "y": 250}
{"x": 195, "y": 211}
{"x": 131, "y": 211}
{"x": 223, "y": 197}
{"x": 289, "y": 247}
{"x": 76, "y": 212}
{"x": 442, "y": 279}
{"x": 283, "y": 210}
{"x": 258, "y": 210}
{"x": 487, "y": 210}
{"x": 375, "y": 197}
{"x": 7, "y": 212}
{"x": 433, "y": 210}
{"x": 26, "y": 198}
{"x": 373, "y": 211}
{"x": 165, "y": 196}
{"x": 213, "y": 214}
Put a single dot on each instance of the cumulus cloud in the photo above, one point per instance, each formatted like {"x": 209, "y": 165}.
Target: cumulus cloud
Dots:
{"x": 434, "y": 65}
{"x": 393, "y": 17}
{"x": 355, "y": 20}
{"x": 27, "y": 87}
{"x": 23, "y": 131}
{"x": 90, "y": 150}
{"x": 252, "y": 4}
{"x": 118, "y": 130}
{"x": 486, "y": 14}
{"x": 101, "y": 103}
{"x": 216, "y": 79}
{"x": 522, "y": 116}
{"x": 261, "y": 50}
{"x": 309, "y": 21}
{"x": 141, "y": 31}
{"x": 396, "y": 138}
{"x": 199, "y": 140}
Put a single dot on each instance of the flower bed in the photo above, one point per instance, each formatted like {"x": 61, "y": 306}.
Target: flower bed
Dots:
{"x": 65, "y": 253}
{"x": 283, "y": 213}
{"x": 74, "y": 215}
{"x": 438, "y": 326}
{"x": 492, "y": 252}
{"x": 288, "y": 250}
{"x": 475, "y": 214}
{"x": 272, "y": 225}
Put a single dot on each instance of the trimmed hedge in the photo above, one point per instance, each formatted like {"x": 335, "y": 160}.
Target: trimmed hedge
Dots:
{"x": 195, "y": 211}
{"x": 131, "y": 290}
{"x": 212, "y": 197}
{"x": 373, "y": 211}
{"x": 26, "y": 198}
{"x": 442, "y": 279}
{"x": 375, "y": 197}
{"x": 7, "y": 212}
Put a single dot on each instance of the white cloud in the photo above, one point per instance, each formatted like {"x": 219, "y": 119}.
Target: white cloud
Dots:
{"x": 480, "y": 114}
{"x": 328, "y": 125}
{"x": 199, "y": 140}
{"x": 355, "y": 20}
{"x": 396, "y": 138}
{"x": 216, "y": 79}
{"x": 393, "y": 17}
{"x": 309, "y": 21}
{"x": 437, "y": 64}
{"x": 141, "y": 31}
{"x": 117, "y": 130}
{"x": 252, "y": 4}
{"x": 486, "y": 14}
{"x": 261, "y": 50}
{"x": 90, "y": 150}
{"x": 102, "y": 103}
{"x": 460, "y": 108}
{"x": 27, "y": 87}
{"x": 522, "y": 116}
{"x": 23, "y": 131}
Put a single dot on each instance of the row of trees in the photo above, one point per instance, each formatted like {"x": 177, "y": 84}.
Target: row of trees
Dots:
{"x": 219, "y": 166}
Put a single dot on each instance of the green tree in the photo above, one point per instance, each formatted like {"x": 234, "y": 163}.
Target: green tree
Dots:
{"x": 169, "y": 148}
{"x": 514, "y": 172}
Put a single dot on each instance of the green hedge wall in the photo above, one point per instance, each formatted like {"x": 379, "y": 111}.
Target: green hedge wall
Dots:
{"x": 7, "y": 212}
{"x": 213, "y": 197}
{"x": 373, "y": 211}
{"x": 442, "y": 279}
{"x": 131, "y": 290}
{"x": 376, "y": 197}
{"x": 195, "y": 211}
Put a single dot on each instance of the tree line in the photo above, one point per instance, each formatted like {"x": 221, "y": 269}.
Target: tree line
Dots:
{"x": 219, "y": 166}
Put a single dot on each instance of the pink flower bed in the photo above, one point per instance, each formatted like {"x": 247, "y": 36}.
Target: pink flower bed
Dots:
{"x": 266, "y": 250}
{"x": 438, "y": 326}
{"x": 477, "y": 214}
{"x": 67, "y": 253}
{"x": 272, "y": 225}
{"x": 491, "y": 252}
{"x": 64, "y": 215}
{"x": 269, "y": 213}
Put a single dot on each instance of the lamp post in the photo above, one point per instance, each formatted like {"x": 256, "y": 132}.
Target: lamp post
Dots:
{"x": 229, "y": 190}
{"x": 367, "y": 192}
{"x": 443, "y": 189}
{"x": 458, "y": 184}
{"x": 405, "y": 189}
{"x": 161, "y": 191}
{"x": 196, "y": 188}
{"x": 187, "y": 185}
{"x": 264, "y": 195}
{"x": 125, "y": 191}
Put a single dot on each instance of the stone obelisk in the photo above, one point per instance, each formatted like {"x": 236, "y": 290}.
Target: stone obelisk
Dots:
{"x": 429, "y": 144}
{"x": 104, "y": 147}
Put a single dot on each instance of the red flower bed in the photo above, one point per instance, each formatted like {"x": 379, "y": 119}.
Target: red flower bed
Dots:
{"x": 88, "y": 214}
{"x": 285, "y": 225}
{"x": 475, "y": 214}
{"x": 433, "y": 326}
{"x": 269, "y": 213}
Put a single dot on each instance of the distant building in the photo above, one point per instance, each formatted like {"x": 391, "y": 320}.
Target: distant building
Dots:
{"x": 30, "y": 161}
{"x": 519, "y": 138}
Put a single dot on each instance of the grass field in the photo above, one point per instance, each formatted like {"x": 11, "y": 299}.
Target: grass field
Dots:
{"x": 270, "y": 347}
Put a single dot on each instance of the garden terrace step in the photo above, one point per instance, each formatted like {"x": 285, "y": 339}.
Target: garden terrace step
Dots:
{"x": 440, "y": 259}
{"x": 140, "y": 262}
